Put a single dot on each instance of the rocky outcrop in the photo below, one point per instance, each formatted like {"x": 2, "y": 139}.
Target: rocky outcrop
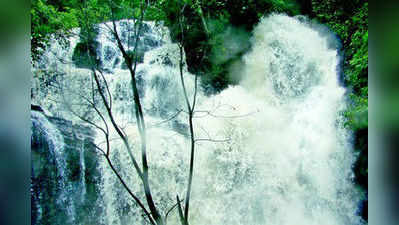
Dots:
{"x": 65, "y": 175}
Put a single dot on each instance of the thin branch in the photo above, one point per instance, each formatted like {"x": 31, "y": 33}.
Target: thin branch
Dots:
{"x": 129, "y": 191}
{"x": 110, "y": 140}
{"x": 113, "y": 122}
{"x": 208, "y": 113}
{"x": 184, "y": 218}
{"x": 207, "y": 133}
{"x": 106, "y": 86}
{"x": 167, "y": 120}
{"x": 99, "y": 149}
{"x": 136, "y": 199}
{"x": 171, "y": 209}
{"x": 86, "y": 120}
{"x": 195, "y": 91}
{"x": 212, "y": 140}
{"x": 68, "y": 105}
{"x": 182, "y": 80}
{"x": 181, "y": 216}
{"x": 108, "y": 106}
{"x": 95, "y": 107}
{"x": 139, "y": 114}
{"x": 109, "y": 28}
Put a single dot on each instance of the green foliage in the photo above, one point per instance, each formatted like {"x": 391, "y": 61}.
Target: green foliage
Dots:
{"x": 246, "y": 13}
{"x": 357, "y": 115}
{"x": 349, "y": 19}
{"x": 361, "y": 147}
{"x": 49, "y": 17}
{"x": 85, "y": 54}
{"x": 230, "y": 23}
{"x": 216, "y": 33}
{"x": 56, "y": 18}
{"x": 226, "y": 41}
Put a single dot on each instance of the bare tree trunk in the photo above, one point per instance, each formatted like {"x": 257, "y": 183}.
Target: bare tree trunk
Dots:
{"x": 153, "y": 214}
{"x": 139, "y": 112}
{"x": 142, "y": 173}
{"x": 184, "y": 217}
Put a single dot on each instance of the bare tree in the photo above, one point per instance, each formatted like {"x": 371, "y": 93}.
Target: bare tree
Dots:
{"x": 101, "y": 98}
{"x": 190, "y": 108}
{"x": 100, "y": 85}
{"x": 153, "y": 214}
{"x": 132, "y": 66}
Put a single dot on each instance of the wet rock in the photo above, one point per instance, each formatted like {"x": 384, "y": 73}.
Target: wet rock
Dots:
{"x": 65, "y": 175}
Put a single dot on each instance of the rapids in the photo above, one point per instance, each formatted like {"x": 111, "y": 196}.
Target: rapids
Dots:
{"x": 272, "y": 150}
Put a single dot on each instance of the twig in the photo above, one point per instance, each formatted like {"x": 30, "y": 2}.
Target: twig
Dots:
{"x": 182, "y": 219}
{"x": 167, "y": 120}
{"x": 170, "y": 210}
{"x": 212, "y": 140}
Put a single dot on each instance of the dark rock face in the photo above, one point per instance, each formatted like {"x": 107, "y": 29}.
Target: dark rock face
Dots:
{"x": 65, "y": 176}
{"x": 36, "y": 108}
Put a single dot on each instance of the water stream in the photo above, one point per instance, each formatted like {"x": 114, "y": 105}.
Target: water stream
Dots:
{"x": 272, "y": 150}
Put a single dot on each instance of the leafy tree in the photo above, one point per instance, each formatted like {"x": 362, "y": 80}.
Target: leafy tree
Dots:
{"x": 50, "y": 18}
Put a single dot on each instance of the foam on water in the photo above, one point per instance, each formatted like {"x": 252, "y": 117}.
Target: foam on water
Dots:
{"x": 286, "y": 157}
{"x": 56, "y": 147}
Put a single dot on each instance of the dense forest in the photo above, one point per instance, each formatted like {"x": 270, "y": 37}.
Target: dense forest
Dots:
{"x": 207, "y": 31}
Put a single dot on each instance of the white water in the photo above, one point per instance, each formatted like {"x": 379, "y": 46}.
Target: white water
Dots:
{"x": 82, "y": 172}
{"x": 287, "y": 159}
{"x": 56, "y": 146}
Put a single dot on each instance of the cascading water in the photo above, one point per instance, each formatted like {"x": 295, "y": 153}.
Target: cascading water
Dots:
{"x": 55, "y": 147}
{"x": 290, "y": 157}
{"x": 82, "y": 172}
{"x": 272, "y": 150}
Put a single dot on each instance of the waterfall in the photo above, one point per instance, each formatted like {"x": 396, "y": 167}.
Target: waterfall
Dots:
{"x": 290, "y": 158}
{"x": 82, "y": 172}
{"x": 271, "y": 150}
{"x": 53, "y": 143}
